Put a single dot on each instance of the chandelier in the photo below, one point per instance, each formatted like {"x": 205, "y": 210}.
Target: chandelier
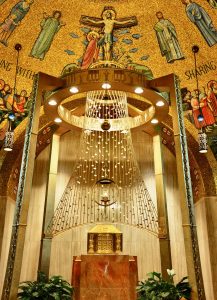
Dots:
{"x": 106, "y": 184}
{"x": 202, "y": 137}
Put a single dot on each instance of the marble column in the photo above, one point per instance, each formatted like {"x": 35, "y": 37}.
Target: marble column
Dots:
{"x": 164, "y": 241}
{"x": 170, "y": 84}
{"x": 44, "y": 263}
{"x": 6, "y": 216}
{"x": 3, "y": 205}
{"x": 12, "y": 277}
{"x": 206, "y": 212}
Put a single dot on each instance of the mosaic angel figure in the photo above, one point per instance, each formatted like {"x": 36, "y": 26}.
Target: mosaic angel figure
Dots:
{"x": 212, "y": 96}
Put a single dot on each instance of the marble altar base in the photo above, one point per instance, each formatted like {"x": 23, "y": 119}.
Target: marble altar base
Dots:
{"x": 105, "y": 277}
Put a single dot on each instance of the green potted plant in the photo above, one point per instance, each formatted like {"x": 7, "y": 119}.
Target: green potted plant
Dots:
{"x": 45, "y": 288}
{"x": 157, "y": 288}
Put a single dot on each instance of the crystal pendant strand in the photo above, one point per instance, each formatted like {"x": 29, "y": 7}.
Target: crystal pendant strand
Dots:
{"x": 106, "y": 184}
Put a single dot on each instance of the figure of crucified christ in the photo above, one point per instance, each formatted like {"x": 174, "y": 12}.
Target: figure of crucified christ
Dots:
{"x": 108, "y": 23}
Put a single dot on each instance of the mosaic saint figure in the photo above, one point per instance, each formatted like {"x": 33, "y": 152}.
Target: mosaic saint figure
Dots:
{"x": 206, "y": 110}
{"x": 2, "y": 84}
{"x": 196, "y": 110}
{"x": 50, "y": 25}
{"x": 5, "y": 28}
{"x": 108, "y": 23}
{"x": 202, "y": 20}
{"x": 187, "y": 100}
{"x": 167, "y": 39}
{"x": 92, "y": 50}
{"x": 212, "y": 96}
{"x": 212, "y": 3}
{"x": 17, "y": 13}
{"x": 20, "y": 101}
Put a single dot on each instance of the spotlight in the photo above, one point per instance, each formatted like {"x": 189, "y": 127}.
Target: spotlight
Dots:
{"x": 106, "y": 85}
{"x": 200, "y": 118}
{"x": 138, "y": 90}
{"x": 11, "y": 116}
{"x": 74, "y": 90}
{"x": 160, "y": 103}
{"x": 52, "y": 102}
{"x": 57, "y": 120}
{"x": 154, "y": 121}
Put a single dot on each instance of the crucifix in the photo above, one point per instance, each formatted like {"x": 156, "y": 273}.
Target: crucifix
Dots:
{"x": 104, "y": 185}
{"x": 108, "y": 23}
{"x": 105, "y": 202}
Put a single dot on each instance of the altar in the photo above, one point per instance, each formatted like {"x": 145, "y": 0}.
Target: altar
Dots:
{"x": 104, "y": 277}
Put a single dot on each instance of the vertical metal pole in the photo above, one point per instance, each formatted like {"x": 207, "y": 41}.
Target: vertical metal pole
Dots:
{"x": 13, "y": 270}
{"x": 186, "y": 197}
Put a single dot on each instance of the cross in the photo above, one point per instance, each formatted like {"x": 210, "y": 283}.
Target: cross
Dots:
{"x": 108, "y": 23}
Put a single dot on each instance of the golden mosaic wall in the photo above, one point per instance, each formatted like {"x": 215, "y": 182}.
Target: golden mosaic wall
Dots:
{"x": 137, "y": 44}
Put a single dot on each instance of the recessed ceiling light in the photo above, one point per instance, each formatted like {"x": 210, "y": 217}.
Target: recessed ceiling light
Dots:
{"x": 52, "y": 102}
{"x": 74, "y": 90}
{"x": 124, "y": 131}
{"x": 154, "y": 121}
{"x": 57, "y": 120}
{"x": 160, "y": 103}
{"x": 138, "y": 90}
{"x": 106, "y": 85}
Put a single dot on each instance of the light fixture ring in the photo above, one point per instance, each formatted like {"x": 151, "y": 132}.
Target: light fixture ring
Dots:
{"x": 120, "y": 80}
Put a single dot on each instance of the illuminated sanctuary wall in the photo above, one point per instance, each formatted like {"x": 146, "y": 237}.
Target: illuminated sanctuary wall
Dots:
{"x": 136, "y": 241}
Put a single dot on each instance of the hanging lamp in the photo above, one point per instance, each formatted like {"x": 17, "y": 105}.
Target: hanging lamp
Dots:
{"x": 195, "y": 50}
{"x": 9, "y": 139}
{"x": 202, "y": 141}
{"x": 202, "y": 137}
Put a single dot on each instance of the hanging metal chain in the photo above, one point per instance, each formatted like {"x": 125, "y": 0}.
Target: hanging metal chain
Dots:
{"x": 20, "y": 194}
{"x": 188, "y": 188}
